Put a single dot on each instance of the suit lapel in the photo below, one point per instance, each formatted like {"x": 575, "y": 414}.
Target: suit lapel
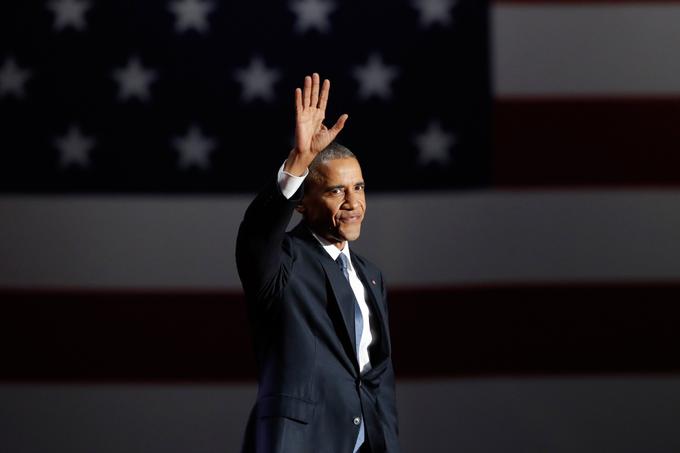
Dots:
{"x": 344, "y": 297}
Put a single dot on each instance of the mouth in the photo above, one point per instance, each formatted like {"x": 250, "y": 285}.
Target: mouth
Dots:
{"x": 350, "y": 218}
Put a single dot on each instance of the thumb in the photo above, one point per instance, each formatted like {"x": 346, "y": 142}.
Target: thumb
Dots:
{"x": 337, "y": 127}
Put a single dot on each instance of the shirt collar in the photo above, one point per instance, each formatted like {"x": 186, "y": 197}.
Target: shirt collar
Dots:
{"x": 332, "y": 250}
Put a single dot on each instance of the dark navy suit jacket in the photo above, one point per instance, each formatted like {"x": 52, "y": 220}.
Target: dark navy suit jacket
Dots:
{"x": 302, "y": 317}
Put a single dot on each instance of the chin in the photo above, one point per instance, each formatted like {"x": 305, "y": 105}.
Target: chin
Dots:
{"x": 351, "y": 235}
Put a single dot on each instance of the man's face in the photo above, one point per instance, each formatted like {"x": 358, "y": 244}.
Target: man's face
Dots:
{"x": 334, "y": 204}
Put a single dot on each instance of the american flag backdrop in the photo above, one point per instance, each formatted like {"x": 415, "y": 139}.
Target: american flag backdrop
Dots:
{"x": 522, "y": 168}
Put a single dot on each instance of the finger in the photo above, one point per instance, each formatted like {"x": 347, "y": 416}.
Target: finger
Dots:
{"x": 315, "y": 90}
{"x": 298, "y": 100}
{"x": 337, "y": 127}
{"x": 323, "y": 98}
{"x": 307, "y": 92}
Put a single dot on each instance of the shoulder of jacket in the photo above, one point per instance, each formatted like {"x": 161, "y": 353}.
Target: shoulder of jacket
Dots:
{"x": 368, "y": 264}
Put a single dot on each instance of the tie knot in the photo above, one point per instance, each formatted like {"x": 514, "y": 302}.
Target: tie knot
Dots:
{"x": 343, "y": 262}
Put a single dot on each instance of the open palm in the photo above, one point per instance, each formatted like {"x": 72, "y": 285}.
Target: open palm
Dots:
{"x": 311, "y": 135}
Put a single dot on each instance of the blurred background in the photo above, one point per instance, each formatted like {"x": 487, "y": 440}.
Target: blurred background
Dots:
{"x": 522, "y": 168}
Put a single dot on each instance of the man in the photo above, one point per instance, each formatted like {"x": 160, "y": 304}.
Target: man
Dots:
{"x": 318, "y": 312}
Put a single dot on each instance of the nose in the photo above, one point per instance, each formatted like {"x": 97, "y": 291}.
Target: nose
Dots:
{"x": 351, "y": 200}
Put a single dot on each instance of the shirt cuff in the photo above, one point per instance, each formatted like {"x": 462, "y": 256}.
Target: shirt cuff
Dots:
{"x": 288, "y": 183}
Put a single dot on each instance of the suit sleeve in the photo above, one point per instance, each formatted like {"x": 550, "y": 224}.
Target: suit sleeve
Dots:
{"x": 263, "y": 255}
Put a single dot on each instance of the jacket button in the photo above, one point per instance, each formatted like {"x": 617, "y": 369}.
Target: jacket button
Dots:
{"x": 357, "y": 421}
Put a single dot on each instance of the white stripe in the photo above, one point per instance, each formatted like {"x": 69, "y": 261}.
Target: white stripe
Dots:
{"x": 579, "y": 415}
{"x": 612, "y": 49}
{"x": 441, "y": 239}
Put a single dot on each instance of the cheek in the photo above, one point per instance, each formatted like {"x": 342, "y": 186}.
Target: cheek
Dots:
{"x": 329, "y": 210}
{"x": 362, "y": 203}
{"x": 334, "y": 212}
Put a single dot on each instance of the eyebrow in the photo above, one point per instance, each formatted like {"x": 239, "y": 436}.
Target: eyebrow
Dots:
{"x": 340, "y": 186}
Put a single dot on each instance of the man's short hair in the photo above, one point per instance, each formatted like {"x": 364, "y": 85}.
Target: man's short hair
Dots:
{"x": 331, "y": 152}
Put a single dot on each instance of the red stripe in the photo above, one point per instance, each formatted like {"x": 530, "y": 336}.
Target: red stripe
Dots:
{"x": 594, "y": 142}
{"x": 168, "y": 337}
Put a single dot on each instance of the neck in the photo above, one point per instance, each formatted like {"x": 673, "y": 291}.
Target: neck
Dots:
{"x": 339, "y": 244}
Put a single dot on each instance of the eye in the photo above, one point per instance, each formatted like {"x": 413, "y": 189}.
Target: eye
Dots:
{"x": 336, "y": 191}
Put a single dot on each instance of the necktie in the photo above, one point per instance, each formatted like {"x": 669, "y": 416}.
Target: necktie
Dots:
{"x": 343, "y": 262}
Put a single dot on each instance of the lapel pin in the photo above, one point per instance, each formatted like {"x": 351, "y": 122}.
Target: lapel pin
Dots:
{"x": 373, "y": 281}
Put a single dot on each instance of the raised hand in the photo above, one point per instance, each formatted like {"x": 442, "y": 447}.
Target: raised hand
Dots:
{"x": 311, "y": 135}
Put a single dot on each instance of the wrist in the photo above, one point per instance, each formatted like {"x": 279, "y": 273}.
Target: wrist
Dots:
{"x": 295, "y": 164}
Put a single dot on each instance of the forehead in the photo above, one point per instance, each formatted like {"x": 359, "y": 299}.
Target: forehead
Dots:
{"x": 340, "y": 171}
